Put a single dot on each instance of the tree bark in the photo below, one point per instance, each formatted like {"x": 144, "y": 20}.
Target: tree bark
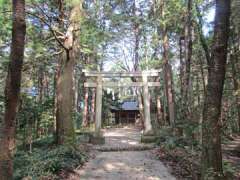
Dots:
{"x": 136, "y": 30}
{"x": 168, "y": 81}
{"x": 188, "y": 47}
{"x": 85, "y": 109}
{"x": 181, "y": 75}
{"x": 56, "y": 75}
{"x": 137, "y": 33}
{"x": 93, "y": 100}
{"x": 188, "y": 59}
{"x": 181, "y": 78}
{"x": 160, "y": 116}
{"x": 65, "y": 82}
{"x": 40, "y": 98}
{"x": 40, "y": 84}
{"x": 12, "y": 90}
{"x": 160, "y": 110}
{"x": 141, "y": 109}
{"x": 211, "y": 145}
{"x": 167, "y": 70}
{"x": 65, "y": 93}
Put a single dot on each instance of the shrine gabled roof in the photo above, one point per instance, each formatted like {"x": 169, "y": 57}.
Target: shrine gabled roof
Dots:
{"x": 130, "y": 106}
{"x": 127, "y": 106}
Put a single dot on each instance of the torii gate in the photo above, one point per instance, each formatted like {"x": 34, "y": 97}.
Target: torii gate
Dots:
{"x": 99, "y": 89}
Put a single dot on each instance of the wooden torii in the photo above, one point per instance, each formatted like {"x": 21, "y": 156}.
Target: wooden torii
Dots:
{"x": 99, "y": 84}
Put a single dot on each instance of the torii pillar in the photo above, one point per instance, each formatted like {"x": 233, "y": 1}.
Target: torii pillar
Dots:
{"x": 98, "y": 117}
{"x": 146, "y": 101}
{"x": 98, "y": 136}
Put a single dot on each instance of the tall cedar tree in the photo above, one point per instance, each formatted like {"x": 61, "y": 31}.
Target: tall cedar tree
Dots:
{"x": 12, "y": 90}
{"x": 211, "y": 145}
{"x": 65, "y": 80}
{"x": 167, "y": 69}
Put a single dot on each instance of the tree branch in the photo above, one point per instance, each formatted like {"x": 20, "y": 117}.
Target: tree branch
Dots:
{"x": 53, "y": 31}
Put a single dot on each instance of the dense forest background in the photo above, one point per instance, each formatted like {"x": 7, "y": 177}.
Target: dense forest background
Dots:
{"x": 197, "y": 56}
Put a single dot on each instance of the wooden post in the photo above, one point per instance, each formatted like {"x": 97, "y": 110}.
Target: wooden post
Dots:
{"x": 98, "y": 117}
{"x": 146, "y": 102}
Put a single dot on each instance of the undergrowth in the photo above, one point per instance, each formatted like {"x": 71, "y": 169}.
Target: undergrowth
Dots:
{"x": 46, "y": 161}
{"x": 183, "y": 155}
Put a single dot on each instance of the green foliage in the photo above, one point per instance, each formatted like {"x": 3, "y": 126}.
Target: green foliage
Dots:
{"x": 108, "y": 102}
{"x": 103, "y": 28}
{"x": 228, "y": 172}
{"x": 77, "y": 116}
{"x": 5, "y": 15}
{"x": 169, "y": 140}
{"x": 31, "y": 113}
{"x": 46, "y": 161}
{"x": 228, "y": 169}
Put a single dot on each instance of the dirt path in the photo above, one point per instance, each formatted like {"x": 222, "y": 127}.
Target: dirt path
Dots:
{"x": 123, "y": 165}
{"x": 123, "y": 139}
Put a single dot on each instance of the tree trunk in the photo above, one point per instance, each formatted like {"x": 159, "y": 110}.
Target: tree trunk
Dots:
{"x": 181, "y": 78}
{"x": 85, "y": 109}
{"x": 188, "y": 49}
{"x": 160, "y": 111}
{"x": 211, "y": 145}
{"x": 65, "y": 82}
{"x": 168, "y": 81}
{"x": 181, "y": 75}
{"x": 76, "y": 92}
{"x": 93, "y": 100}
{"x": 136, "y": 30}
{"x": 167, "y": 71}
{"x": 12, "y": 90}
{"x": 188, "y": 59}
{"x": 65, "y": 91}
{"x": 40, "y": 98}
{"x": 160, "y": 116}
{"x": 65, "y": 95}
{"x": 40, "y": 84}
{"x": 56, "y": 77}
{"x": 46, "y": 84}
{"x": 141, "y": 109}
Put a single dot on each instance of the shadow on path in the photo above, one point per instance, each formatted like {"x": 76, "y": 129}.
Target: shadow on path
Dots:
{"x": 123, "y": 165}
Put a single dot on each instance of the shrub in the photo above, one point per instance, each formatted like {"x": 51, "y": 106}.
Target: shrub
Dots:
{"x": 46, "y": 162}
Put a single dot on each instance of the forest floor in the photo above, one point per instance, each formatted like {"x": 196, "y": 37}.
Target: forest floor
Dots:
{"x": 231, "y": 153}
{"x": 185, "y": 162}
{"x": 123, "y": 157}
